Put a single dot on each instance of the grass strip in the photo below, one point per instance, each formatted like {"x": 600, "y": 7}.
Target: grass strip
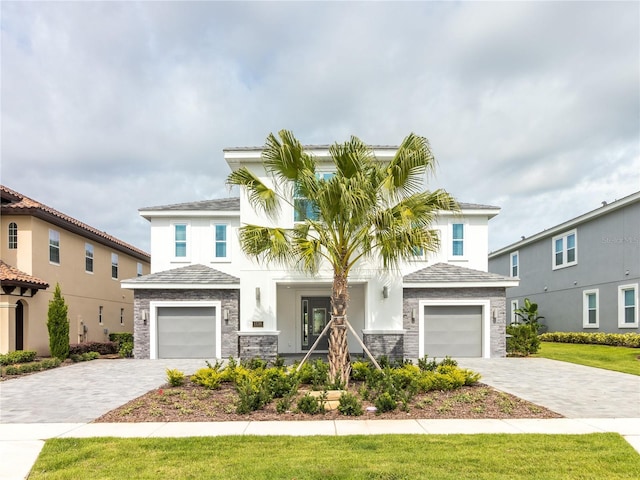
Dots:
{"x": 376, "y": 457}
{"x": 619, "y": 359}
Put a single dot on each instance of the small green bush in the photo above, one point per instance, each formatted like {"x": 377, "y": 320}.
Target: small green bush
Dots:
{"x": 121, "y": 337}
{"x": 253, "y": 394}
{"x": 279, "y": 382}
{"x": 17, "y": 356}
{"x": 310, "y": 404}
{"x": 385, "y": 403}
{"x": 207, "y": 377}
{"x": 631, "y": 340}
{"x": 350, "y": 405}
{"x": 175, "y": 377}
{"x": 23, "y": 368}
{"x": 360, "y": 370}
{"x": 103, "y": 348}
{"x": 524, "y": 339}
{"x": 84, "y": 357}
{"x": 427, "y": 365}
{"x": 255, "y": 363}
{"x": 315, "y": 374}
{"x": 126, "y": 349}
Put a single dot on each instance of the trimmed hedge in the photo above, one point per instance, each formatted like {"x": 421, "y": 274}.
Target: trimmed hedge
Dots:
{"x": 23, "y": 368}
{"x": 18, "y": 356}
{"x": 103, "y": 348}
{"x": 121, "y": 337}
{"x": 631, "y": 340}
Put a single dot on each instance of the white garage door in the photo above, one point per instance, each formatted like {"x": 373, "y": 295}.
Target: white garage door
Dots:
{"x": 186, "y": 332}
{"x": 453, "y": 330}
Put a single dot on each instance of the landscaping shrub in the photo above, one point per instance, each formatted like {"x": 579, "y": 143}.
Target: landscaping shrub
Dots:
{"x": 18, "y": 356}
{"x": 523, "y": 340}
{"x": 255, "y": 363}
{"x": 315, "y": 374}
{"x": 58, "y": 325}
{"x": 311, "y": 404}
{"x": 121, "y": 337}
{"x": 175, "y": 377}
{"x": 22, "y": 368}
{"x": 427, "y": 365}
{"x": 360, "y": 370}
{"x": 207, "y": 377}
{"x": 103, "y": 348}
{"x": 631, "y": 340}
{"x": 84, "y": 357}
{"x": 350, "y": 405}
{"x": 385, "y": 403}
{"x": 253, "y": 394}
{"x": 279, "y": 382}
{"x": 126, "y": 350}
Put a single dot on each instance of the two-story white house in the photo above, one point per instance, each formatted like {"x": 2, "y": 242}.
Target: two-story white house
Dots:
{"x": 205, "y": 298}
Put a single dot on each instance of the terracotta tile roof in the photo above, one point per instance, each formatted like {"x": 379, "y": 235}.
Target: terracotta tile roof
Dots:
{"x": 14, "y": 203}
{"x": 12, "y": 276}
{"x": 191, "y": 274}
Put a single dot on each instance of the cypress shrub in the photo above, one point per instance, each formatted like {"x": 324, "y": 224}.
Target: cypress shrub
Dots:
{"x": 58, "y": 325}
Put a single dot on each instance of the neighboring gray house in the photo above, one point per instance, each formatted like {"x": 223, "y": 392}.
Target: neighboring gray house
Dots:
{"x": 583, "y": 274}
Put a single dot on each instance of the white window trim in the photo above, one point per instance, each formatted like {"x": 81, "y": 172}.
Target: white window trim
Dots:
{"x": 517, "y": 255}
{"x": 93, "y": 258}
{"x": 49, "y": 248}
{"x": 186, "y": 258}
{"x": 563, "y": 236}
{"x": 153, "y": 322}
{"x": 621, "y": 290}
{"x": 117, "y": 264}
{"x": 585, "y": 308}
{"x": 486, "y": 325}
{"x": 514, "y": 306}
{"x": 465, "y": 241}
{"x": 227, "y": 241}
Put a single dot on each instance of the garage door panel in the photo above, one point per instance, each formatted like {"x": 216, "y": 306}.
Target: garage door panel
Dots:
{"x": 453, "y": 330}
{"x": 186, "y": 332}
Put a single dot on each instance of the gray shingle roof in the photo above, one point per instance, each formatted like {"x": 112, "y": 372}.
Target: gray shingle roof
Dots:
{"x": 476, "y": 206}
{"x": 191, "y": 274}
{"x": 447, "y": 273}
{"x": 216, "y": 204}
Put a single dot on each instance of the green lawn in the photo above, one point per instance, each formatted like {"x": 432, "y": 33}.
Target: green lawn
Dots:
{"x": 620, "y": 359}
{"x": 377, "y": 457}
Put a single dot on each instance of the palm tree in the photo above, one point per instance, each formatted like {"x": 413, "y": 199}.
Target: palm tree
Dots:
{"x": 367, "y": 209}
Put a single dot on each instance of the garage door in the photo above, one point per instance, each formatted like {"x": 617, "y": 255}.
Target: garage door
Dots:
{"x": 186, "y": 332}
{"x": 453, "y": 330}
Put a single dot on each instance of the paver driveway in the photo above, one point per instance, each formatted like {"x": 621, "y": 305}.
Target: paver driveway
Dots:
{"x": 85, "y": 391}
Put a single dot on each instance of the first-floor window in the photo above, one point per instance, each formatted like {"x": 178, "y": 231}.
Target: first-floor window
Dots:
{"x": 514, "y": 317}
{"x": 54, "y": 246}
{"x": 220, "y": 241}
{"x": 628, "y": 306}
{"x": 122, "y": 316}
{"x": 114, "y": 265}
{"x": 590, "y": 315}
{"x": 88, "y": 257}
{"x": 100, "y": 314}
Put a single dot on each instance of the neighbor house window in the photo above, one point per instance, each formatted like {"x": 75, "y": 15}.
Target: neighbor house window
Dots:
{"x": 114, "y": 265}
{"x": 220, "y": 240}
{"x": 565, "y": 250}
{"x": 304, "y": 208}
{"x": 100, "y": 314}
{"x": 514, "y": 317}
{"x": 54, "y": 246}
{"x": 515, "y": 264}
{"x": 180, "y": 239}
{"x": 458, "y": 239}
{"x": 590, "y": 314}
{"x": 122, "y": 316}
{"x": 139, "y": 269}
{"x": 628, "y": 306}
{"x": 88, "y": 257}
{"x": 13, "y": 236}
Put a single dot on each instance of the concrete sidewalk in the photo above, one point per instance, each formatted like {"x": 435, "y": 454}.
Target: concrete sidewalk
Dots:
{"x": 22, "y": 442}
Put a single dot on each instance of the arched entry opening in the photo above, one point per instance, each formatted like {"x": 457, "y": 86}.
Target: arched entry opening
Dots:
{"x": 19, "y": 325}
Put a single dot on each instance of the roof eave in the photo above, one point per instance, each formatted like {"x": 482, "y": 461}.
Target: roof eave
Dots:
{"x": 132, "y": 285}
{"x": 491, "y": 284}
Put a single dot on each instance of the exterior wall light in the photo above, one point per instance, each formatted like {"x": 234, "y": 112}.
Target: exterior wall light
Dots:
{"x": 385, "y": 292}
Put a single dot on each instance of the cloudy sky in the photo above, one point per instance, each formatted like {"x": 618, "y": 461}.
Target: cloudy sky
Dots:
{"x": 107, "y": 107}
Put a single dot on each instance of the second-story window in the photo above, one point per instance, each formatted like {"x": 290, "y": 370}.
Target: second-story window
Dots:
{"x": 114, "y": 265}
{"x": 139, "y": 269}
{"x": 88, "y": 257}
{"x": 54, "y": 246}
{"x": 303, "y": 207}
{"x": 565, "y": 252}
{"x": 13, "y": 236}
{"x": 220, "y": 241}
{"x": 180, "y": 240}
{"x": 515, "y": 264}
{"x": 458, "y": 240}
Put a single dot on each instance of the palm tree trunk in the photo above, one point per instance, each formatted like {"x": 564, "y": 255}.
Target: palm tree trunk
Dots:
{"x": 339, "y": 362}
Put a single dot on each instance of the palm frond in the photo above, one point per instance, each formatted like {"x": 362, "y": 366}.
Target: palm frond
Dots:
{"x": 271, "y": 245}
{"x": 261, "y": 197}
{"x": 350, "y": 157}
{"x": 286, "y": 158}
{"x": 405, "y": 173}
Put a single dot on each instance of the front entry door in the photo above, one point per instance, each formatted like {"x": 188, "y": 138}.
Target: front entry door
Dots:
{"x": 315, "y": 314}
{"x": 19, "y": 326}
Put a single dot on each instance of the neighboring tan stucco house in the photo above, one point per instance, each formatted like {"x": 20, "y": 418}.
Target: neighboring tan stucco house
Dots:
{"x": 40, "y": 247}
{"x": 206, "y": 299}
{"x": 584, "y": 273}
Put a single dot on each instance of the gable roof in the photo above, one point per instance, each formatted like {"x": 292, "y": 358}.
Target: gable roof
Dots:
{"x": 191, "y": 276}
{"x": 569, "y": 224}
{"x": 12, "y": 278}
{"x": 14, "y": 203}
{"x": 445, "y": 275}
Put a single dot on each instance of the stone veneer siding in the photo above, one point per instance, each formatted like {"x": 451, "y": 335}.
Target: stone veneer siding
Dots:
{"x": 495, "y": 295}
{"x": 258, "y": 346}
{"x": 390, "y": 345}
{"x": 230, "y": 299}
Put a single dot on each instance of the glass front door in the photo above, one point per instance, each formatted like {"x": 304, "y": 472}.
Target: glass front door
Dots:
{"x": 315, "y": 314}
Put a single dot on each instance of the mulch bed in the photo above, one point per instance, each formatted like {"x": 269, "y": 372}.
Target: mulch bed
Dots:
{"x": 193, "y": 403}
